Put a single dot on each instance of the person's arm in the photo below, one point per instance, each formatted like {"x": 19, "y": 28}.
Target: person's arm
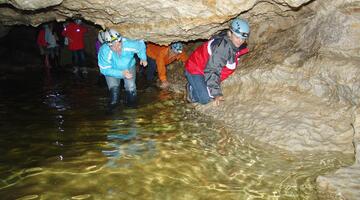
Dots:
{"x": 161, "y": 67}
{"x": 64, "y": 32}
{"x": 47, "y": 36}
{"x": 217, "y": 60}
{"x": 141, "y": 52}
{"x": 84, "y": 29}
{"x": 183, "y": 57}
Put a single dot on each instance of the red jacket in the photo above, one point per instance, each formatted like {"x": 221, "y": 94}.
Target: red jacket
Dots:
{"x": 75, "y": 33}
{"x": 197, "y": 62}
{"x": 41, "y": 38}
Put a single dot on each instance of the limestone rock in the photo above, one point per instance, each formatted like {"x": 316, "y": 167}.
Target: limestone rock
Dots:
{"x": 344, "y": 183}
{"x": 33, "y": 4}
{"x": 299, "y": 88}
{"x": 159, "y": 21}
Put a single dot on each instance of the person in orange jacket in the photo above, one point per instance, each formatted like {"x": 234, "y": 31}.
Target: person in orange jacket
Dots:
{"x": 159, "y": 57}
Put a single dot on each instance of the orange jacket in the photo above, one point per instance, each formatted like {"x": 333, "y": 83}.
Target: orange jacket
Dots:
{"x": 163, "y": 57}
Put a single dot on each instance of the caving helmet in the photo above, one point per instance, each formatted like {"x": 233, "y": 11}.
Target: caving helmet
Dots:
{"x": 78, "y": 21}
{"x": 111, "y": 36}
{"x": 240, "y": 28}
{"x": 177, "y": 47}
{"x": 101, "y": 36}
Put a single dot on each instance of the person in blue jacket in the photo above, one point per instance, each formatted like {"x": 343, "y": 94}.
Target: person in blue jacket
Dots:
{"x": 116, "y": 61}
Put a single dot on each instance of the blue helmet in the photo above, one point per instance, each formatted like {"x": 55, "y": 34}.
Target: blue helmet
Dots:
{"x": 78, "y": 21}
{"x": 240, "y": 28}
{"x": 177, "y": 47}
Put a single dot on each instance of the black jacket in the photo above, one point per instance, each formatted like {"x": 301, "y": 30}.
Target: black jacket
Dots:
{"x": 223, "y": 53}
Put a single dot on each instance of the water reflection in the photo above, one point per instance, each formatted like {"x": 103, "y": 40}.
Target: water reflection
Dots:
{"x": 59, "y": 144}
{"x": 124, "y": 142}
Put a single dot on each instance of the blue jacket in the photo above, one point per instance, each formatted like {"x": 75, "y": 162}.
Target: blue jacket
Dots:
{"x": 113, "y": 64}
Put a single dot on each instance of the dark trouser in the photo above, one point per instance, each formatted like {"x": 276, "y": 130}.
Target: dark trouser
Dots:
{"x": 78, "y": 58}
{"x": 199, "y": 91}
{"x": 54, "y": 56}
{"x": 150, "y": 69}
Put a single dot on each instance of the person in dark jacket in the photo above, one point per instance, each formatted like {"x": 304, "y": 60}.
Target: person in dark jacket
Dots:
{"x": 214, "y": 61}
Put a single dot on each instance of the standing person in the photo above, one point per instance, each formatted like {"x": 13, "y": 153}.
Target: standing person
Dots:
{"x": 214, "y": 61}
{"x": 74, "y": 32}
{"x": 42, "y": 44}
{"x": 99, "y": 41}
{"x": 52, "y": 47}
{"x": 116, "y": 61}
{"x": 159, "y": 57}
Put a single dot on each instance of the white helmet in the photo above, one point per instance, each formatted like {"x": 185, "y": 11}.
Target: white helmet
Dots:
{"x": 111, "y": 35}
{"x": 101, "y": 36}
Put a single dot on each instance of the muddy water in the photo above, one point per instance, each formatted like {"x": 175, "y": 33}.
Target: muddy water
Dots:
{"x": 57, "y": 142}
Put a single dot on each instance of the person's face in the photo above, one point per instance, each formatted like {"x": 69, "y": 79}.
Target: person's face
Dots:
{"x": 174, "y": 52}
{"x": 116, "y": 46}
{"x": 237, "y": 41}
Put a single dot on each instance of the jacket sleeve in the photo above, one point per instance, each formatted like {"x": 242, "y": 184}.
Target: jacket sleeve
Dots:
{"x": 141, "y": 47}
{"x": 212, "y": 72}
{"x": 64, "y": 32}
{"x": 183, "y": 57}
{"x": 161, "y": 65}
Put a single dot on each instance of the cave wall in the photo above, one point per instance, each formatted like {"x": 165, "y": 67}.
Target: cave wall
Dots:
{"x": 157, "y": 21}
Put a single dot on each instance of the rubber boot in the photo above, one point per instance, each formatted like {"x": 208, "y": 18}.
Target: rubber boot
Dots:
{"x": 84, "y": 72}
{"x": 131, "y": 99}
{"x": 114, "y": 98}
{"x": 188, "y": 93}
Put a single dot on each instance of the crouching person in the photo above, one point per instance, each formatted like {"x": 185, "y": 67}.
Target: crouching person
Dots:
{"x": 116, "y": 61}
{"x": 214, "y": 61}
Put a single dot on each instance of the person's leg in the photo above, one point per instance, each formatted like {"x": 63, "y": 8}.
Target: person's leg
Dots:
{"x": 82, "y": 62}
{"x": 47, "y": 60}
{"x": 75, "y": 58}
{"x": 150, "y": 69}
{"x": 161, "y": 71}
{"x": 130, "y": 88}
{"x": 56, "y": 57}
{"x": 52, "y": 57}
{"x": 197, "y": 88}
{"x": 114, "y": 88}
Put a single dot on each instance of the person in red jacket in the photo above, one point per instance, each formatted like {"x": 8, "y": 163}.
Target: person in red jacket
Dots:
{"x": 42, "y": 44}
{"x": 75, "y": 32}
{"x": 214, "y": 61}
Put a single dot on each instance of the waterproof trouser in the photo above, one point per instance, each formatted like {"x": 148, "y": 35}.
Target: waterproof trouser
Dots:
{"x": 114, "y": 97}
{"x": 150, "y": 69}
{"x": 131, "y": 98}
{"x": 199, "y": 90}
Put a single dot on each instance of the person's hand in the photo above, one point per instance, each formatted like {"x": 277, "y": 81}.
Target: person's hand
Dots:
{"x": 217, "y": 100}
{"x": 143, "y": 63}
{"x": 127, "y": 74}
{"x": 164, "y": 84}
